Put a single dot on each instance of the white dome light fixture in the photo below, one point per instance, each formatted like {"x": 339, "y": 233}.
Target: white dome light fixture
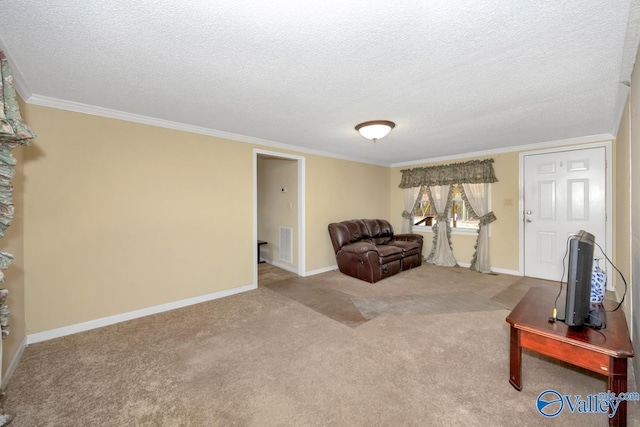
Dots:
{"x": 375, "y": 129}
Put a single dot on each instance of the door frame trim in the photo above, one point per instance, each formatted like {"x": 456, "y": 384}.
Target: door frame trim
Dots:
{"x": 302, "y": 185}
{"x": 607, "y": 145}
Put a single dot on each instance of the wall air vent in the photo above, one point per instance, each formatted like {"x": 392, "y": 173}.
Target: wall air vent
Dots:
{"x": 286, "y": 243}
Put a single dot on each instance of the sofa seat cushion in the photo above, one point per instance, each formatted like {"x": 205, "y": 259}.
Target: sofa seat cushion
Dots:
{"x": 408, "y": 248}
{"x": 388, "y": 250}
{"x": 389, "y": 253}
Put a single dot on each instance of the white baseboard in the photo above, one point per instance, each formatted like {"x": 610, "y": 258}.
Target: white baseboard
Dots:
{"x": 287, "y": 267}
{"x": 290, "y": 268}
{"x": 14, "y": 364}
{"x": 321, "y": 270}
{"x": 505, "y": 271}
{"x": 111, "y": 320}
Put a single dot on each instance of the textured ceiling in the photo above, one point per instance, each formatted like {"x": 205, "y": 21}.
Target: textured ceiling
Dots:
{"x": 456, "y": 76}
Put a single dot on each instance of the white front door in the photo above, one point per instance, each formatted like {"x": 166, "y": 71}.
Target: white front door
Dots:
{"x": 564, "y": 192}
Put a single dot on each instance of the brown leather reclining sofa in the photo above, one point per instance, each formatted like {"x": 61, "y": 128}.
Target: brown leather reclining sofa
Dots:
{"x": 368, "y": 250}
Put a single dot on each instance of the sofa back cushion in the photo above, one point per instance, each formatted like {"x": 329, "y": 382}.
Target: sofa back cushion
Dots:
{"x": 345, "y": 232}
{"x": 380, "y": 230}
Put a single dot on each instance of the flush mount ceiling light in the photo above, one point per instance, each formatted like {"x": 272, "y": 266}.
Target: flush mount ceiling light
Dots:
{"x": 375, "y": 129}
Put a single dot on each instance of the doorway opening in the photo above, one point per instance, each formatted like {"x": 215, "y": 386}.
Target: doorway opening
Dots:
{"x": 279, "y": 204}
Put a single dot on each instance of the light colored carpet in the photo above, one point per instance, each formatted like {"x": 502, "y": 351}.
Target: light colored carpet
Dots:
{"x": 262, "y": 358}
{"x": 268, "y": 274}
{"x": 455, "y": 302}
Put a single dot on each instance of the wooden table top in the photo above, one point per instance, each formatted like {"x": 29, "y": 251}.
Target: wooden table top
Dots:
{"x": 532, "y": 313}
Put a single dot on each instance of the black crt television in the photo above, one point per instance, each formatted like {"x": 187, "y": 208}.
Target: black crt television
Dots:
{"x": 578, "y": 302}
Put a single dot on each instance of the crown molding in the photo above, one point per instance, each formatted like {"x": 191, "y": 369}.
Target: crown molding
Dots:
{"x": 78, "y": 107}
{"x": 515, "y": 148}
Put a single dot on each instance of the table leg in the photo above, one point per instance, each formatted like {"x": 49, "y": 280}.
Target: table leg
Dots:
{"x": 260, "y": 243}
{"x": 618, "y": 384}
{"x": 515, "y": 360}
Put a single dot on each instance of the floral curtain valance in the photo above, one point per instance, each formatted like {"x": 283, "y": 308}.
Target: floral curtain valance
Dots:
{"x": 471, "y": 172}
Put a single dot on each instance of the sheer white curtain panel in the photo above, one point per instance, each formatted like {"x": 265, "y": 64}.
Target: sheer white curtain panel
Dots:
{"x": 441, "y": 253}
{"x": 478, "y": 197}
{"x": 411, "y": 201}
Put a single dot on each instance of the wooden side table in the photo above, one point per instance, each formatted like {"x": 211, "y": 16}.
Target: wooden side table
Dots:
{"x": 604, "y": 351}
{"x": 260, "y": 243}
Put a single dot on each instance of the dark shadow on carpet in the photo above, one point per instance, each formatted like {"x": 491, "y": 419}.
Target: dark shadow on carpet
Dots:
{"x": 509, "y": 297}
{"x": 409, "y": 305}
{"x": 334, "y": 304}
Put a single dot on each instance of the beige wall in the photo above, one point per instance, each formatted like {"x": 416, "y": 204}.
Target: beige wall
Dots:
{"x": 504, "y": 242}
{"x": 121, "y": 216}
{"x": 622, "y": 209}
{"x": 276, "y": 208}
{"x": 633, "y": 111}
{"x": 339, "y": 190}
{"x": 627, "y": 210}
{"x": 124, "y": 216}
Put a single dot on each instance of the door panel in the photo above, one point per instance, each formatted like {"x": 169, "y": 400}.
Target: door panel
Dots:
{"x": 547, "y": 200}
{"x": 564, "y": 192}
{"x": 546, "y": 243}
{"x": 578, "y": 200}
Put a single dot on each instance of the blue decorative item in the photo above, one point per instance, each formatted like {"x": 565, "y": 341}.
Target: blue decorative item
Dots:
{"x": 598, "y": 282}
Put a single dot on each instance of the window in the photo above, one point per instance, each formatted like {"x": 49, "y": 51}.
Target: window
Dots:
{"x": 459, "y": 214}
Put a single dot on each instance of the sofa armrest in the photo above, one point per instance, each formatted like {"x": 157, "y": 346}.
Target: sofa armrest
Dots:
{"x": 361, "y": 247}
{"x": 410, "y": 237}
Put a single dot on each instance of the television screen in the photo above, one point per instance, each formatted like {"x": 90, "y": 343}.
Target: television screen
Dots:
{"x": 578, "y": 302}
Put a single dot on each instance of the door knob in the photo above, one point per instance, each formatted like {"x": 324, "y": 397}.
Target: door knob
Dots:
{"x": 528, "y": 220}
